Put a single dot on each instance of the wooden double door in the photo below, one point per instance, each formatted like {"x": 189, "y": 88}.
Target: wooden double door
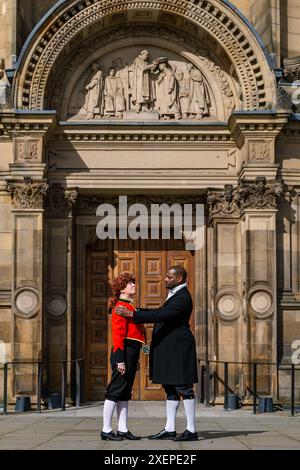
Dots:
{"x": 149, "y": 260}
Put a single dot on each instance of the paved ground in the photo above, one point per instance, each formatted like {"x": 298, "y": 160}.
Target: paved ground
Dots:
{"x": 217, "y": 429}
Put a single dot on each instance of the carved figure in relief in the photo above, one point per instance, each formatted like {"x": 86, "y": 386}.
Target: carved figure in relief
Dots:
{"x": 185, "y": 89}
{"x": 142, "y": 86}
{"x": 167, "y": 103}
{"x": 199, "y": 94}
{"x": 94, "y": 103}
{"x": 114, "y": 95}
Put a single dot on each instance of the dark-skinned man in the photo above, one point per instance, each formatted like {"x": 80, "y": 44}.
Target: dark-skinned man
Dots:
{"x": 173, "y": 360}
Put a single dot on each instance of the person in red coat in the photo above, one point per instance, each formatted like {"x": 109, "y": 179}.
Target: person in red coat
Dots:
{"x": 127, "y": 339}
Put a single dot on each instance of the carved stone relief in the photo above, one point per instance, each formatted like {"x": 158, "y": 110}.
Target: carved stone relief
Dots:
{"x": 247, "y": 195}
{"x": 27, "y": 194}
{"x": 5, "y": 88}
{"x": 143, "y": 87}
{"x": 260, "y": 151}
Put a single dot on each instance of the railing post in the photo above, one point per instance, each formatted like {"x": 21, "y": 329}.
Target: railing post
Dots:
{"x": 293, "y": 390}
{"x": 207, "y": 384}
{"x": 254, "y": 388}
{"x": 77, "y": 373}
{"x": 226, "y": 385}
{"x": 63, "y": 386}
{"x": 39, "y": 388}
{"x": 5, "y": 389}
{"x": 202, "y": 383}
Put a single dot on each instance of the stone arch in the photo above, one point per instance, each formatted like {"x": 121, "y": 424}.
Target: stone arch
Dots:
{"x": 217, "y": 20}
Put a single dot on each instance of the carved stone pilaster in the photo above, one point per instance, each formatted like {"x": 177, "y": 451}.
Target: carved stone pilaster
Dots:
{"x": 27, "y": 194}
{"x": 59, "y": 202}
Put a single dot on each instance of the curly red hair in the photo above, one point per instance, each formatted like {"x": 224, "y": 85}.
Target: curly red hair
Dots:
{"x": 118, "y": 284}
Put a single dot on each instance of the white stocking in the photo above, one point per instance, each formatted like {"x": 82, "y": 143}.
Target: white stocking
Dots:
{"x": 122, "y": 413}
{"x": 190, "y": 412}
{"x": 172, "y": 407}
{"x": 108, "y": 411}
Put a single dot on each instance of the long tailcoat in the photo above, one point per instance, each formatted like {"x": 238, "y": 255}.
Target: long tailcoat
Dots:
{"x": 173, "y": 358}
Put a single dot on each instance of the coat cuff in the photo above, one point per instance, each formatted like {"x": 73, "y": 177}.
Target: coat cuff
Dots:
{"x": 118, "y": 356}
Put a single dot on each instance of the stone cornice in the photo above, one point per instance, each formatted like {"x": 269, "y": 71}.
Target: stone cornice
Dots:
{"x": 266, "y": 124}
{"x": 21, "y": 123}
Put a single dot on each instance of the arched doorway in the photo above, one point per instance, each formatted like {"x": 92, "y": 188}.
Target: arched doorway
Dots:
{"x": 149, "y": 260}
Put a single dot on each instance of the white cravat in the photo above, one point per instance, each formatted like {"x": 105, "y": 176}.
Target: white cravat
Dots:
{"x": 175, "y": 289}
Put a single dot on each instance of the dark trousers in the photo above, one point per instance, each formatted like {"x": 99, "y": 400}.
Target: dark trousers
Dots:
{"x": 174, "y": 392}
{"x": 120, "y": 386}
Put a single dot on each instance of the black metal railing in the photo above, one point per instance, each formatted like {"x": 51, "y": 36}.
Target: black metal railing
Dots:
{"x": 206, "y": 376}
{"x": 40, "y": 367}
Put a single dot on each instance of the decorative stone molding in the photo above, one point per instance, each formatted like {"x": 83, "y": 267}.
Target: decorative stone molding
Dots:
{"x": 59, "y": 202}
{"x": 259, "y": 195}
{"x": 26, "y": 302}
{"x": 260, "y": 151}
{"x": 224, "y": 204}
{"x": 5, "y": 88}
{"x": 27, "y": 195}
{"x": 28, "y": 150}
{"x": 232, "y": 202}
{"x": 215, "y": 18}
{"x": 228, "y": 304}
{"x": 261, "y": 302}
{"x": 56, "y": 305}
{"x": 291, "y": 71}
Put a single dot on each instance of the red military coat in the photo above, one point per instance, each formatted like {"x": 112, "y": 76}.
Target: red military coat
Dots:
{"x": 124, "y": 328}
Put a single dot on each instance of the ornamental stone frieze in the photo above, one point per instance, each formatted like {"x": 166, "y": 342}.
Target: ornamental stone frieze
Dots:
{"x": 59, "y": 202}
{"x": 27, "y": 194}
{"x": 233, "y": 201}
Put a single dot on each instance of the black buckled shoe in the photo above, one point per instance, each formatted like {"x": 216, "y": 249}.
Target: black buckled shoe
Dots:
{"x": 110, "y": 436}
{"x": 128, "y": 435}
{"x": 186, "y": 436}
{"x": 163, "y": 435}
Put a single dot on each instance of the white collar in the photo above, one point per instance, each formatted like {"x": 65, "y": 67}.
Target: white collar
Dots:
{"x": 175, "y": 290}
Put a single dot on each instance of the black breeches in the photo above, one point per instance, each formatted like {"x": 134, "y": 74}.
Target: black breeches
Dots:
{"x": 174, "y": 392}
{"x": 120, "y": 386}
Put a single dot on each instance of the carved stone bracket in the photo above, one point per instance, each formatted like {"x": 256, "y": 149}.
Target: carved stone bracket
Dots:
{"x": 291, "y": 69}
{"x": 59, "y": 202}
{"x": 27, "y": 194}
{"x": 232, "y": 202}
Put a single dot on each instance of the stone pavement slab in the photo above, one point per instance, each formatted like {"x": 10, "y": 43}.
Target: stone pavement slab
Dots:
{"x": 217, "y": 429}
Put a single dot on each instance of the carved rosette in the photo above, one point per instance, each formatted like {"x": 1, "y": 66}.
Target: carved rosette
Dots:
{"x": 59, "y": 202}
{"x": 232, "y": 202}
{"x": 27, "y": 194}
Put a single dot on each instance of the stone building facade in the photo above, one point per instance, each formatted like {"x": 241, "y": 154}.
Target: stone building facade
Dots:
{"x": 186, "y": 101}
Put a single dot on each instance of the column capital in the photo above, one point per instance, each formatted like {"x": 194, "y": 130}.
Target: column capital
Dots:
{"x": 26, "y": 194}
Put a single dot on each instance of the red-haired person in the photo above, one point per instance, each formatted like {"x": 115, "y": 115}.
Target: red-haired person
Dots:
{"x": 127, "y": 339}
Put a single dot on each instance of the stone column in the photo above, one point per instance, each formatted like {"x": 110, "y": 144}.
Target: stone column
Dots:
{"x": 27, "y": 203}
{"x": 57, "y": 283}
{"x": 226, "y": 319}
{"x": 259, "y": 205}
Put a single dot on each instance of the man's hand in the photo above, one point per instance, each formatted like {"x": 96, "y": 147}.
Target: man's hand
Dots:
{"x": 121, "y": 368}
{"x": 124, "y": 312}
